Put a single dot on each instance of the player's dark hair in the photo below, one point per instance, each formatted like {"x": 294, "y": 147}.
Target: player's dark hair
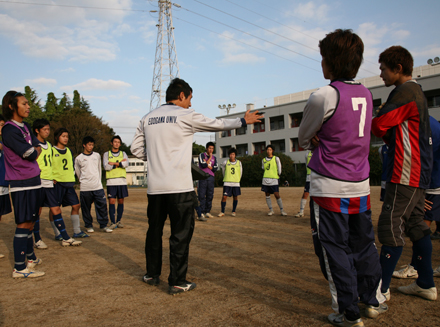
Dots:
{"x": 10, "y": 99}
{"x": 39, "y": 124}
{"x": 88, "y": 139}
{"x": 232, "y": 150}
{"x": 58, "y": 133}
{"x": 177, "y": 86}
{"x": 209, "y": 144}
{"x": 395, "y": 55}
{"x": 2, "y": 118}
{"x": 270, "y": 146}
{"x": 342, "y": 51}
{"x": 116, "y": 137}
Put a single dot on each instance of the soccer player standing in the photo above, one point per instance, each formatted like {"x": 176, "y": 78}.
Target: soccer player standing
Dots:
{"x": 5, "y": 202}
{"x": 336, "y": 126}
{"x": 115, "y": 162}
{"x": 164, "y": 137}
{"x": 232, "y": 171}
{"x": 403, "y": 123}
{"x": 208, "y": 163}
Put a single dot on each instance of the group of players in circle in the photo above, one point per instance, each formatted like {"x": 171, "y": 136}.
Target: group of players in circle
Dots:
{"x": 37, "y": 174}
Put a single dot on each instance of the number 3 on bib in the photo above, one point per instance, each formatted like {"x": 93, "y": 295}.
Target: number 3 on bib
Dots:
{"x": 363, "y": 104}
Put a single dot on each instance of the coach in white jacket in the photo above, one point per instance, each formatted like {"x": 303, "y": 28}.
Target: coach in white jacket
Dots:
{"x": 164, "y": 137}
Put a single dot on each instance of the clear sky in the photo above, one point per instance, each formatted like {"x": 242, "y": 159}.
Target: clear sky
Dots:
{"x": 230, "y": 51}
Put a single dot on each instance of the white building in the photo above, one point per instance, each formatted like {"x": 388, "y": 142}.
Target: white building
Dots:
{"x": 281, "y": 121}
{"x": 136, "y": 171}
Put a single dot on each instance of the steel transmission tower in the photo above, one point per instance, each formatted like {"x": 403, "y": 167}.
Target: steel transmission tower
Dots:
{"x": 165, "y": 63}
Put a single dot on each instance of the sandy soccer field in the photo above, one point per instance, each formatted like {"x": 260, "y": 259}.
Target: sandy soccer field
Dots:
{"x": 251, "y": 270}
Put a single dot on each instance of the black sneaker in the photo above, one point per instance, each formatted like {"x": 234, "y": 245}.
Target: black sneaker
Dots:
{"x": 151, "y": 280}
{"x": 435, "y": 236}
{"x": 185, "y": 287}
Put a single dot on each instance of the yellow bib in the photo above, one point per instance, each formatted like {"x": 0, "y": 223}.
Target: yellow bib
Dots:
{"x": 232, "y": 172}
{"x": 117, "y": 172}
{"x": 270, "y": 168}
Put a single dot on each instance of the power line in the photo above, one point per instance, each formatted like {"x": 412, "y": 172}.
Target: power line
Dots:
{"x": 249, "y": 45}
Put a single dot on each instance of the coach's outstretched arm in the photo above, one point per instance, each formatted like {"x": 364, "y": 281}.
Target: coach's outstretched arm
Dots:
{"x": 202, "y": 123}
{"x": 138, "y": 146}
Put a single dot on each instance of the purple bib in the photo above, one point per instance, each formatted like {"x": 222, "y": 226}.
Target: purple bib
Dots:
{"x": 344, "y": 143}
{"x": 17, "y": 168}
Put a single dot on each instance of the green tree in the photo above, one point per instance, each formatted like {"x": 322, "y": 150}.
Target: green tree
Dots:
{"x": 197, "y": 149}
{"x": 36, "y": 111}
{"x": 51, "y": 106}
{"x": 65, "y": 104}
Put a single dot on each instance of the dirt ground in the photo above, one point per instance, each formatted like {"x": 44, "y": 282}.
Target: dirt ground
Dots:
{"x": 251, "y": 270}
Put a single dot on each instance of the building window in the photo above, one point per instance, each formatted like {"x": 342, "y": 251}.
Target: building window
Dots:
{"x": 295, "y": 119}
{"x": 132, "y": 164}
{"x": 276, "y": 123}
{"x": 225, "y": 133}
{"x": 259, "y": 147}
{"x": 259, "y": 128}
{"x": 241, "y": 130}
{"x": 224, "y": 150}
{"x": 139, "y": 163}
{"x": 433, "y": 101}
{"x": 140, "y": 178}
{"x": 279, "y": 145}
{"x": 295, "y": 145}
{"x": 242, "y": 150}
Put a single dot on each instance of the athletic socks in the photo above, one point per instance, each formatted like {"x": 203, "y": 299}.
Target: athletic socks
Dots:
{"x": 120, "y": 211}
{"x": 111, "y": 212}
{"x": 303, "y": 205}
{"x": 75, "y": 224}
{"x": 422, "y": 250}
{"x": 20, "y": 247}
{"x": 55, "y": 229}
{"x": 389, "y": 255}
{"x": 37, "y": 230}
{"x": 30, "y": 246}
{"x": 280, "y": 203}
{"x": 269, "y": 202}
{"x": 223, "y": 206}
{"x": 234, "y": 205}
{"x": 59, "y": 223}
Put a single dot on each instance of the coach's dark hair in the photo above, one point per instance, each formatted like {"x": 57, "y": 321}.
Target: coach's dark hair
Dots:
{"x": 342, "y": 51}
{"x": 10, "y": 99}
{"x": 58, "y": 133}
{"x": 232, "y": 150}
{"x": 209, "y": 144}
{"x": 88, "y": 139}
{"x": 397, "y": 55}
{"x": 270, "y": 146}
{"x": 2, "y": 118}
{"x": 39, "y": 124}
{"x": 177, "y": 86}
{"x": 116, "y": 137}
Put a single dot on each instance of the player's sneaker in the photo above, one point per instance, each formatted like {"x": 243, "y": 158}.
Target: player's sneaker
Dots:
{"x": 113, "y": 226}
{"x": 40, "y": 245}
{"x": 81, "y": 235}
{"x": 407, "y": 271}
{"x": 58, "y": 238}
{"x": 299, "y": 214}
{"x": 71, "y": 242}
{"x": 32, "y": 263}
{"x": 202, "y": 218}
{"x": 283, "y": 213}
{"x": 270, "y": 213}
{"x": 208, "y": 215}
{"x": 221, "y": 214}
{"x": 338, "y": 319}
{"x": 90, "y": 230}
{"x": 435, "y": 236}
{"x": 233, "y": 214}
{"x": 437, "y": 272}
{"x": 414, "y": 289}
{"x": 119, "y": 224}
{"x": 387, "y": 294}
{"x": 106, "y": 229}
{"x": 373, "y": 312}
{"x": 185, "y": 287}
{"x": 2, "y": 256}
{"x": 26, "y": 273}
{"x": 151, "y": 280}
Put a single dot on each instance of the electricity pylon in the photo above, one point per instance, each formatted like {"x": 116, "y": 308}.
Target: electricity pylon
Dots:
{"x": 165, "y": 63}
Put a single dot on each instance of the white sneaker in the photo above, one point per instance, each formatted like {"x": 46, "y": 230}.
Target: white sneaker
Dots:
{"x": 113, "y": 226}
{"x": 2, "y": 256}
{"x": 40, "y": 245}
{"x": 208, "y": 215}
{"x": 32, "y": 263}
{"x": 414, "y": 289}
{"x": 233, "y": 214}
{"x": 71, "y": 242}
{"x": 283, "y": 213}
{"x": 90, "y": 230}
{"x": 373, "y": 312}
{"x": 221, "y": 214}
{"x": 299, "y": 214}
{"x": 26, "y": 273}
{"x": 387, "y": 294}
{"x": 437, "y": 272}
{"x": 106, "y": 229}
{"x": 270, "y": 213}
{"x": 407, "y": 271}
